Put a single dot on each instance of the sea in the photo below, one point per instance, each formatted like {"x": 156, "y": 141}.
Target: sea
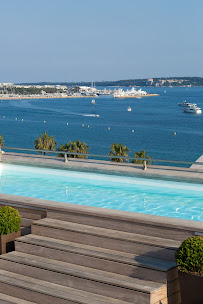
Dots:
{"x": 155, "y": 124}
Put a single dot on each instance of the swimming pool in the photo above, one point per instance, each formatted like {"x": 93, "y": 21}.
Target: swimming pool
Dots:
{"x": 142, "y": 195}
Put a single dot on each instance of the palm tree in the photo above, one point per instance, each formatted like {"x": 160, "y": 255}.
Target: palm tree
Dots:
{"x": 141, "y": 154}
{"x": 65, "y": 148}
{"x": 118, "y": 150}
{"x": 75, "y": 147}
{"x": 45, "y": 142}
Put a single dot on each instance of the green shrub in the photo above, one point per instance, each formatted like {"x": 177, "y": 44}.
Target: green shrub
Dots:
{"x": 9, "y": 220}
{"x": 189, "y": 256}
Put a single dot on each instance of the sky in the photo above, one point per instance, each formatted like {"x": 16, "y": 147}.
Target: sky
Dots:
{"x": 95, "y": 40}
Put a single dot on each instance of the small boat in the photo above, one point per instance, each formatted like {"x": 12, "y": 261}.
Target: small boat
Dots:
{"x": 129, "y": 109}
{"x": 96, "y": 115}
{"x": 93, "y": 101}
{"x": 192, "y": 109}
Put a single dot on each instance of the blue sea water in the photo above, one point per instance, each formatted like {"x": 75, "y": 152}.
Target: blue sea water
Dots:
{"x": 153, "y": 119}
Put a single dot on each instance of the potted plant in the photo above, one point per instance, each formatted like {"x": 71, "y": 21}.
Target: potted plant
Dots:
{"x": 9, "y": 228}
{"x": 189, "y": 258}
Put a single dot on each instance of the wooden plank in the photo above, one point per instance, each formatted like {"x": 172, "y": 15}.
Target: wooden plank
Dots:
{"x": 128, "y": 258}
{"x": 47, "y": 292}
{"x": 149, "y": 228}
{"x": 9, "y": 299}
{"x": 26, "y": 222}
{"x": 95, "y": 262}
{"x": 83, "y": 272}
{"x": 105, "y": 242}
{"x": 81, "y": 284}
{"x": 27, "y": 210}
{"x": 31, "y": 213}
{"x": 100, "y": 258}
{"x": 161, "y": 242}
{"x": 173, "y": 299}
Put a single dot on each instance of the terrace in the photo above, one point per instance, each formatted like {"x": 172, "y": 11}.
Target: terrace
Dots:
{"x": 84, "y": 254}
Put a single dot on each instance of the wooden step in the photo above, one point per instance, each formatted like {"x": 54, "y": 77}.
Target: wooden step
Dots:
{"x": 48, "y": 293}
{"x": 145, "y": 224}
{"x": 142, "y": 267}
{"x": 6, "y": 299}
{"x": 87, "y": 279}
{"x": 107, "y": 238}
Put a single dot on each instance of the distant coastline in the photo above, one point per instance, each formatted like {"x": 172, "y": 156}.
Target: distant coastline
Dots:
{"x": 142, "y": 82}
{"x": 41, "y": 97}
{"x": 59, "y": 96}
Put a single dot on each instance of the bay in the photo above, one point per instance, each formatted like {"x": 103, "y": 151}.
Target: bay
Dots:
{"x": 153, "y": 119}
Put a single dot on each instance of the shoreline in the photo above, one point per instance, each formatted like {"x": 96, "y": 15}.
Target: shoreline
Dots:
{"x": 43, "y": 97}
{"x": 56, "y": 97}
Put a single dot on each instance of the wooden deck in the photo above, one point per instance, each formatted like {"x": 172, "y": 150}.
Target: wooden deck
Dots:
{"x": 89, "y": 255}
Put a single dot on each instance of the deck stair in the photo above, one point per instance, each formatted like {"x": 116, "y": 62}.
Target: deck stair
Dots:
{"x": 69, "y": 262}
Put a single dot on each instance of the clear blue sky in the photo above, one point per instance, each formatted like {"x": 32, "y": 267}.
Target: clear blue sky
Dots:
{"x": 84, "y": 40}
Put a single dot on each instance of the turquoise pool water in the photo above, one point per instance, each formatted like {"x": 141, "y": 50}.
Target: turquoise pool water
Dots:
{"x": 150, "y": 196}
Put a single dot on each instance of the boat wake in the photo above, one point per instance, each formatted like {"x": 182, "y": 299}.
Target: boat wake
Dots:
{"x": 90, "y": 115}
{"x": 25, "y": 104}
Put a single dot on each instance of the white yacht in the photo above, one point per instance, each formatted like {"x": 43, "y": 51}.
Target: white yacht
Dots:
{"x": 185, "y": 103}
{"x": 192, "y": 109}
{"x": 93, "y": 101}
{"x": 129, "y": 109}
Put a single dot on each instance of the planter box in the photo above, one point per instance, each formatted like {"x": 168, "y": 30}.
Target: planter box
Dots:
{"x": 191, "y": 288}
{"x": 7, "y": 241}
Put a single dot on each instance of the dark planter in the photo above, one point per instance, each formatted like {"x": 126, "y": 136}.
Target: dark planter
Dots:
{"x": 191, "y": 288}
{"x": 7, "y": 242}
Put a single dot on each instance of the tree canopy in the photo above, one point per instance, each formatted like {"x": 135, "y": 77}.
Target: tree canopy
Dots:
{"x": 75, "y": 147}
{"x": 45, "y": 142}
{"x": 118, "y": 150}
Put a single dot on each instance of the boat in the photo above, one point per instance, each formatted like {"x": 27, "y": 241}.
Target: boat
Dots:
{"x": 93, "y": 101}
{"x": 96, "y": 115}
{"x": 129, "y": 109}
{"x": 185, "y": 103}
{"x": 192, "y": 109}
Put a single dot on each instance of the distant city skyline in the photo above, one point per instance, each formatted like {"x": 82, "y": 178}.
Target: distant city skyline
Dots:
{"x": 90, "y": 40}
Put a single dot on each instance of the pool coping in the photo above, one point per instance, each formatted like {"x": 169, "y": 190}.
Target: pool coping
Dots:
{"x": 136, "y": 217}
{"x": 191, "y": 174}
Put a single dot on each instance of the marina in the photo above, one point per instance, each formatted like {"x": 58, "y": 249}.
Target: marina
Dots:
{"x": 132, "y": 93}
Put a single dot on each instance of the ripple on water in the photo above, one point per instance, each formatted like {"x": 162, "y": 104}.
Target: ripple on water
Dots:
{"x": 113, "y": 192}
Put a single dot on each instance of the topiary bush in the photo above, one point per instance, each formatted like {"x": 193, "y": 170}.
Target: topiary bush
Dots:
{"x": 189, "y": 256}
{"x": 9, "y": 220}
